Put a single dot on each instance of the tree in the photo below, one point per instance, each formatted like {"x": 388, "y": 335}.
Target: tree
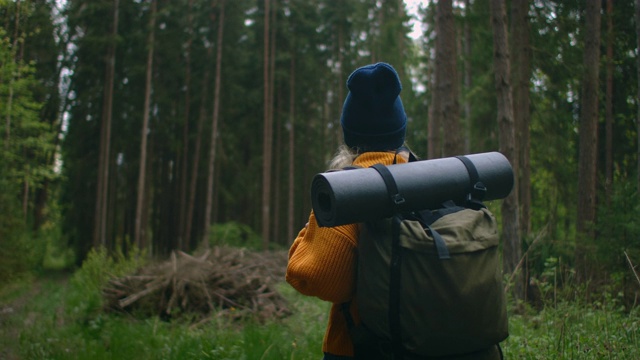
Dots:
{"x": 182, "y": 203}
{"x": 101, "y": 211}
{"x": 267, "y": 146}
{"x": 638, "y": 97}
{"x": 521, "y": 71}
{"x": 214, "y": 127}
{"x": 510, "y": 218}
{"x": 139, "y": 238}
{"x": 292, "y": 147}
{"x": 468, "y": 74}
{"x": 196, "y": 150}
{"x": 587, "y": 157}
{"x": 28, "y": 109}
{"x": 446, "y": 112}
{"x": 608, "y": 171}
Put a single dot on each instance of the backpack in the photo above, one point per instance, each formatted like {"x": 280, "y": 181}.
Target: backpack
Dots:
{"x": 429, "y": 283}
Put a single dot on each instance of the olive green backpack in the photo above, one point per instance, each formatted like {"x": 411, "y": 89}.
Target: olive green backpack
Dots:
{"x": 429, "y": 283}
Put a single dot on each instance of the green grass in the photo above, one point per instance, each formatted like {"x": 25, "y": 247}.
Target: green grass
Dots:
{"x": 56, "y": 324}
{"x": 54, "y": 332}
{"x": 573, "y": 331}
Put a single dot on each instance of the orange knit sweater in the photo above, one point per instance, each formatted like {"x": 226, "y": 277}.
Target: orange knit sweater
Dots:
{"x": 322, "y": 263}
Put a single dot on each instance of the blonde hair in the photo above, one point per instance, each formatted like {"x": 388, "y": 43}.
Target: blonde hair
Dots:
{"x": 345, "y": 156}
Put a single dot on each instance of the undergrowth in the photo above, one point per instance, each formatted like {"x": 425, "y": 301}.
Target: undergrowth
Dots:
{"x": 66, "y": 322}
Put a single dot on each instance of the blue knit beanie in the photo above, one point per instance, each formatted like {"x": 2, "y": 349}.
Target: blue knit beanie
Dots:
{"x": 373, "y": 118}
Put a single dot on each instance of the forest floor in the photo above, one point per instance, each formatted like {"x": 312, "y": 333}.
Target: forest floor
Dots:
{"x": 220, "y": 282}
{"x": 16, "y": 315}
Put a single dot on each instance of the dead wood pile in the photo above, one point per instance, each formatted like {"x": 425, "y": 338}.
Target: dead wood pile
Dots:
{"x": 222, "y": 281}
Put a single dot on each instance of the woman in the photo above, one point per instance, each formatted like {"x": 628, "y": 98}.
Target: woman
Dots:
{"x": 322, "y": 260}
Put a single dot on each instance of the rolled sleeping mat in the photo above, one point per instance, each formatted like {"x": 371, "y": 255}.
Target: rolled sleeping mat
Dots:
{"x": 358, "y": 195}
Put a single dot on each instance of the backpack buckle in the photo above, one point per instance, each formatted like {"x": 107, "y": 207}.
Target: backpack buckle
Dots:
{"x": 398, "y": 199}
{"x": 477, "y": 192}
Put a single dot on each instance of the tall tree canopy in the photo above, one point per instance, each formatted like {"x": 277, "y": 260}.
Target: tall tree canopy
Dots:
{"x": 158, "y": 122}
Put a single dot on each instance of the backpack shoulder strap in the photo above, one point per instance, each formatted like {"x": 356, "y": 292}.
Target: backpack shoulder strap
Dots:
{"x": 412, "y": 156}
{"x": 395, "y": 200}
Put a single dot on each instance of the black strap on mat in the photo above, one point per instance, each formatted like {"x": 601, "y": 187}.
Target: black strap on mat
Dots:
{"x": 477, "y": 188}
{"x": 392, "y": 188}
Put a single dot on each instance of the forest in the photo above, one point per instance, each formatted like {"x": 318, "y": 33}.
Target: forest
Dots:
{"x": 149, "y": 126}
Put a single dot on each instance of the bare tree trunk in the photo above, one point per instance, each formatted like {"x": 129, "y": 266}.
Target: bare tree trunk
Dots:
{"x": 501, "y": 63}
{"x": 277, "y": 187}
{"x": 100, "y": 223}
{"x": 196, "y": 151}
{"x": 587, "y": 161}
{"x": 467, "y": 76}
{"x": 274, "y": 193}
{"x": 434, "y": 131}
{"x": 341, "y": 76}
{"x": 638, "y": 96}
{"x": 214, "y": 128}
{"x": 609, "y": 105}
{"x": 447, "y": 79}
{"x": 138, "y": 237}
{"x": 292, "y": 108}
{"x": 267, "y": 133}
{"x": 445, "y": 121}
{"x": 521, "y": 51}
{"x": 185, "y": 132}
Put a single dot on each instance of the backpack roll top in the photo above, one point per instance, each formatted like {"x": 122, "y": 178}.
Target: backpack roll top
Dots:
{"x": 465, "y": 231}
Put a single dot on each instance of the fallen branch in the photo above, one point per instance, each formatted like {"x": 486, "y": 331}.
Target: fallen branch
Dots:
{"x": 632, "y": 267}
{"x": 224, "y": 281}
{"x": 517, "y": 268}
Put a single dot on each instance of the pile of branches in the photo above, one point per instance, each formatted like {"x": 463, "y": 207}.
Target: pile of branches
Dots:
{"x": 220, "y": 282}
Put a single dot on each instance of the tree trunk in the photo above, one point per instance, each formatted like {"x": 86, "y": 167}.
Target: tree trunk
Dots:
{"x": 447, "y": 79}
{"x": 341, "y": 76}
{"x": 609, "y": 105}
{"x": 185, "y": 131}
{"x": 292, "y": 108}
{"x": 196, "y": 152}
{"x": 587, "y": 158}
{"x": 14, "y": 48}
{"x": 434, "y": 137}
{"x": 638, "y": 96}
{"x": 501, "y": 63}
{"x": 139, "y": 238}
{"x": 521, "y": 51}
{"x": 100, "y": 223}
{"x": 445, "y": 121}
{"x": 467, "y": 76}
{"x": 267, "y": 133}
{"x": 214, "y": 128}
{"x": 274, "y": 194}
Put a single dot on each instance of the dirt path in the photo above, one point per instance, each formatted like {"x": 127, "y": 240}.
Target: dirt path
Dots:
{"x": 15, "y": 314}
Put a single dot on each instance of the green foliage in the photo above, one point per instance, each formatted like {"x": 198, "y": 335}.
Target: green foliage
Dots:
{"x": 19, "y": 256}
{"x": 619, "y": 228}
{"x": 57, "y": 255}
{"x": 566, "y": 330}
{"x": 234, "y": 234}
{"x": 85, "y": 298}
{"x": 25, "y": 145}
{"x": 574, "y": 331}
{"x": 100, "y": 336}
